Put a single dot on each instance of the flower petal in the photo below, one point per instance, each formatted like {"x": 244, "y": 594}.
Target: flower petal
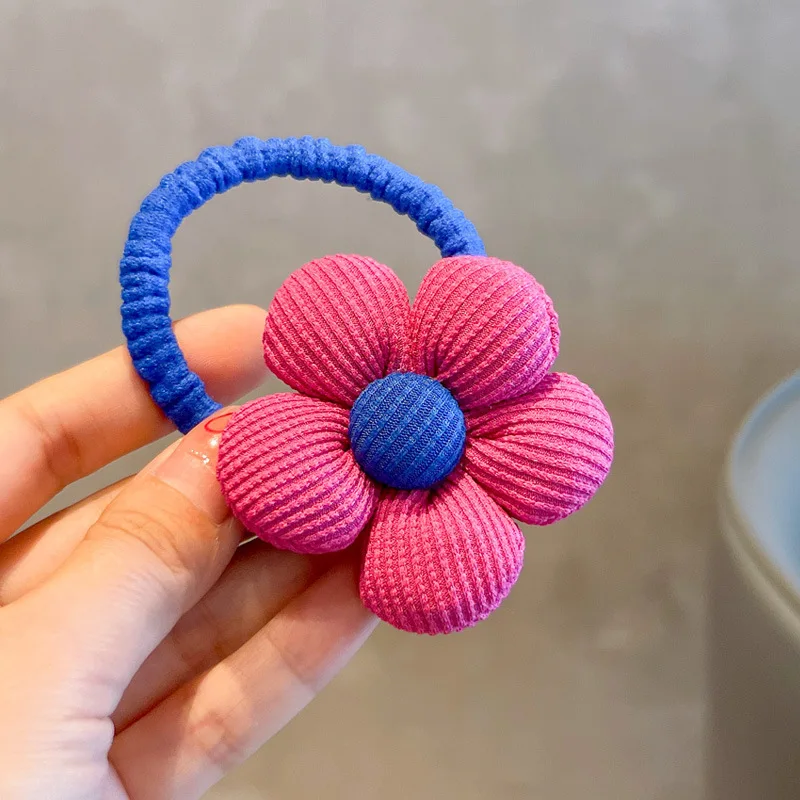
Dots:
{"x": 542, "y": 456}
{"x": 484, "y": 328}
{"x": 439, "y": 560}
{"x": 336, "y": 325}
{"x": 289, "y": 477}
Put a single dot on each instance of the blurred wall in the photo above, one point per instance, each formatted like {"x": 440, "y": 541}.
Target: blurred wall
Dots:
{"x": 640, "y": 157}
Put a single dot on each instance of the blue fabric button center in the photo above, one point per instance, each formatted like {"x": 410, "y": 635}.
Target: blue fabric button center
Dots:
{"x": 407, "y": 431}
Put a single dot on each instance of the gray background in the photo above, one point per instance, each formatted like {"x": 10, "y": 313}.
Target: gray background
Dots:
{"x": 640, "y": 157}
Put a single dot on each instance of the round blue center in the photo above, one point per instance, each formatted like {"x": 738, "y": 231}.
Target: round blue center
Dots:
{"x": 407, "y": 431}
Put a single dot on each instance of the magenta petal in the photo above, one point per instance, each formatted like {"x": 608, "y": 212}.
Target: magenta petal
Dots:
{"x": 542, "y": 456}
{"x": 288, "y": 474}
{"x": 484, "y": 328}
{"x": 336, "y": 325}
{"x": 439, "y": 560}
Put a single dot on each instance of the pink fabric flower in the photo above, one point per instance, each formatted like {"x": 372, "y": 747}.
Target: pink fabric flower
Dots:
{"x": 538, "y": 444}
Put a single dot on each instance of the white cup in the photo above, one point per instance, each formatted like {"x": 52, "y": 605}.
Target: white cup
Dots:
{"x": 754, "y": 620}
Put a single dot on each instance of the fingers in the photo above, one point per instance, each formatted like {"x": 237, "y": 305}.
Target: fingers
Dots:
{"x": 154, "y": 551}
{"x": 70, "y": 425}
{"x": 258, "y": 583}
{"x": 190, "y": 740}
{"x": 33, "y": 555}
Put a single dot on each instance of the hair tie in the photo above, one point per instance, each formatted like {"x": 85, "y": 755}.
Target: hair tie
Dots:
{"x": 427, "y": 429}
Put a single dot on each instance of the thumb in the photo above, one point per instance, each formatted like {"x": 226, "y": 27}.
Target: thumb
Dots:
{"x": 155, "y": 551}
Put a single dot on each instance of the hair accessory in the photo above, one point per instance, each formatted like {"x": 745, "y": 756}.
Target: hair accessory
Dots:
{"x": 427, "y": 429}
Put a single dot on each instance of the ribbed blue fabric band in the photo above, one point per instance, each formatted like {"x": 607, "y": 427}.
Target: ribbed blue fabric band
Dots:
{"x": 407, "y": 431}
{"x": 147, "y": 258}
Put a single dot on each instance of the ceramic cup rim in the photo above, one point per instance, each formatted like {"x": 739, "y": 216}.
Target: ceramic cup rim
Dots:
{"x": 740, "y": 531}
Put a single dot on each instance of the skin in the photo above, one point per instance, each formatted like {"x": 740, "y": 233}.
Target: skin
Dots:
{"x": 146, "y": 649}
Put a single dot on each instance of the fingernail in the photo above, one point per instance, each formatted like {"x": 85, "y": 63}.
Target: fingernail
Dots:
{"x": 218, "y": 422}
{"x": 149, "y": 469}
{"x": 191, "y": 468}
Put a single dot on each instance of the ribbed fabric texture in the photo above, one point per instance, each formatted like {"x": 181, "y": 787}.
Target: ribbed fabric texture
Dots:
{"x": 442, "y": 560}
{"x": 336, "y": 325}
{"x": 538, "y": 444}
{"x": 407, "y": 431}
{"x": 147, "y": 258}
{"x": 483, "y": 327}
{"x": 288, "y": 474}
{"x": 543, "y": 455}
{"x": 439, "y": 559}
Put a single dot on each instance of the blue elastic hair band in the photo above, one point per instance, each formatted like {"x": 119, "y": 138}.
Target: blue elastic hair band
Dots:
{"x": 147, "y": 258}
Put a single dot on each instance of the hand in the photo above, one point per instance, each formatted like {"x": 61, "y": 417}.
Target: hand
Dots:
{"x": 143, "y": 650}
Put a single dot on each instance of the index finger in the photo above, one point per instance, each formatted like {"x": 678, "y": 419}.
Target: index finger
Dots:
{"x": 68, "y": 426}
